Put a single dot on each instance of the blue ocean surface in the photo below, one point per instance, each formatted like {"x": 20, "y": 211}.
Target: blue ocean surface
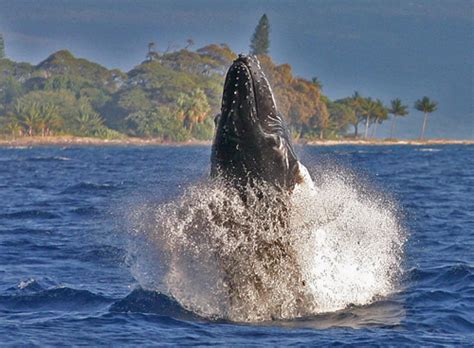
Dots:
{"x": 66, "y": 275}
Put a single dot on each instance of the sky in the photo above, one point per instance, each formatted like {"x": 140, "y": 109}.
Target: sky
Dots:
{"x": 383, "y": 49}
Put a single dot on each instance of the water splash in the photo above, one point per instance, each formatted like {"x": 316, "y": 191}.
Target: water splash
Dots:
{"x": 322, "y": 249}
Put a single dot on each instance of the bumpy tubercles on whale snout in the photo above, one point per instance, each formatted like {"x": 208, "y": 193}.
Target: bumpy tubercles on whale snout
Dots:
{"x": 251, "y": 136}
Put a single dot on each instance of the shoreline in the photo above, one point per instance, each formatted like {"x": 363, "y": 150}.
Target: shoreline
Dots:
{"x": 85, "y": 141}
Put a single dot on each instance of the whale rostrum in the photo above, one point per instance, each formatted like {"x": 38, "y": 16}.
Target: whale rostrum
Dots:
{"x": 252, "y": 143}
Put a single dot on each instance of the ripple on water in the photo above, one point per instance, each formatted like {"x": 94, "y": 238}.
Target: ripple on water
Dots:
{"x": 79, "y": 292}
{"x": 30, "y": 214}
{"x": 88, "y": 187}
{"x": 60, "y": 298}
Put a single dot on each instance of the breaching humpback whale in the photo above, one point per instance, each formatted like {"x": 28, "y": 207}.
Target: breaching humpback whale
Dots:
{"x": 252, "y": 153}
{"x": 252, "y": 143}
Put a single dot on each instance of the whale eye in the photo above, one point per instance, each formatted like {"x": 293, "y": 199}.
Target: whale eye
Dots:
{"x": 217, "y": 119}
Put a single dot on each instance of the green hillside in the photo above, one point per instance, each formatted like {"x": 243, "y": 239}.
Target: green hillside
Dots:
{"x": 173, "y": 96}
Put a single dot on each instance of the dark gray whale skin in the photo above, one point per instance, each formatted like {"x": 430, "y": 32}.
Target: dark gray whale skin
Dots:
{"x": 252, "y": 152}
{"x": 252, "y": 143}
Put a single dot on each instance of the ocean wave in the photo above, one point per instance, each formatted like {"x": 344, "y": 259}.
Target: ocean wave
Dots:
{"x": 19, "y": 147}
{"x": 145, "y": 301}
{"x": 28, "y": 285}
{"x": 104, "y": 253}
{"x": 58, "y": 298}
{"x": 29, "y": 214}
{"x": 87, "y": 187}
{"x": 382, "y": 313}
{"x": 47, "y": 158}
{"x": 85, "y": 211}
{"x": 448, "y": 274}
{"x": 428, "y": 150}
{"x": 26, "y": 231}
{"x": 28, "y": 244}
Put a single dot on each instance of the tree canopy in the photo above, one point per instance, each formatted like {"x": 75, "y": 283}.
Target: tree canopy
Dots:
{"x": 396, "y": 109}
{"x": 426, "y": 106}
{"x": 260, "y": 42}
{"x": 2, "y": 47}
{"x": 173, "y": 96}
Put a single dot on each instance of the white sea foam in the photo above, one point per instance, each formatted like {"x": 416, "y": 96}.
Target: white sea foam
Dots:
{"x": 428, "y": 149}
{"x": 335, "y": 245}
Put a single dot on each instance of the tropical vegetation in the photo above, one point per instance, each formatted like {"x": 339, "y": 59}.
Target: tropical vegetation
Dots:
{"x": 396, "y": 109}
{"x": 426, "y": 106}
{"x": 172, "y": 95}
{"x": 260, "y": 42}
{"x": 2, "y": 47}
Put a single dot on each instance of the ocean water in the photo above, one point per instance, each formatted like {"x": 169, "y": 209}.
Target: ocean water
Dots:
{"x": 389, "y": 253}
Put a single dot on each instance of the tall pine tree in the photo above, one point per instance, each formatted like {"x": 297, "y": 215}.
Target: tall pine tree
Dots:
{"x": 2, "y": 47}
{"x": 260, "y": 42}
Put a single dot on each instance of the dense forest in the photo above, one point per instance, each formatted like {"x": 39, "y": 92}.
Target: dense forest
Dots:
{"x": 171, "y": 95}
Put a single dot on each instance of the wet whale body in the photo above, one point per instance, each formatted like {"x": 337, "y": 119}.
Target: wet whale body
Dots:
{"x": 253, "y": 155}
{"x": 252, "y": 143}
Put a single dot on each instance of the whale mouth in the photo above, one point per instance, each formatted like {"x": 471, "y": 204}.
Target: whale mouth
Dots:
{"x": 252, "y": 141}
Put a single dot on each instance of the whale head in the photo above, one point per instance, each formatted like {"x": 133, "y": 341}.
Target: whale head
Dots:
{"x": 252, "y": 142}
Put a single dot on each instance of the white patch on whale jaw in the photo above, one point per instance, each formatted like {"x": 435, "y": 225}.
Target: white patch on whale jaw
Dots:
{"x": 305, "y": 182}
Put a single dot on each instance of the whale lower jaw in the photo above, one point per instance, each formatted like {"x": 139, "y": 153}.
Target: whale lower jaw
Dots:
{"x": 305, "y": 182}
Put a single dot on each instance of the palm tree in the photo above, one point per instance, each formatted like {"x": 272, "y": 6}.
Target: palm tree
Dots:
{"x": 380, "y": 114}
{"x": 396, "y": 109}
{"x": 426, "y": 106}
{"x": 369, "y": 108}
{"x": 29, "y": 116}
{"x": 12, "y": 124}
{"x": 355, "y": 103}
{"x": 144, "y": 121}
{"x": 88, "y": 122}
{"x": 49, "y": 119}
{"x": 192, "y": 108}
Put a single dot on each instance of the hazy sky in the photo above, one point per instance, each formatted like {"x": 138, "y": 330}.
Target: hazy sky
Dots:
{"x": 383, "y": 49}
